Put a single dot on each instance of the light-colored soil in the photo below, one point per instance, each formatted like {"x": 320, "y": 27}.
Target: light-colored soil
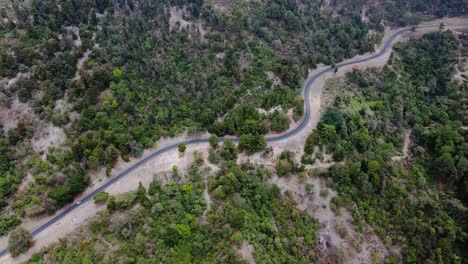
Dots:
{"x": 268, "y": 112}
{"x": 45, "y": 134}
{"x": 458, "y": 76}
{"x": 47, "y": 137}
{"x": 206, "y": 195}
{"x": 145, "y": 174}
{"x": 14, "y": 111}
{"x": 7, "y": 83}
{"x": 406, "y": 146}
{"x": 357, "y": 247}
{"x": 74, "y": 34}
{"x": 272, "y": 76}
{"x": 222, "y": 6}
{"x": 177, "y": 21}
{"x": 246, "y": 251}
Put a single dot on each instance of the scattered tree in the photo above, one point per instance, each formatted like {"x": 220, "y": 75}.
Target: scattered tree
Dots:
{"x": 19, "y": 241}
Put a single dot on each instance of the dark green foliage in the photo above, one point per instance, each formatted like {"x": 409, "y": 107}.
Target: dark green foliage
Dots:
{"x": 213, "y": 141}
{"x": 333, "y": 117}
{"x": 252, "y": 143}
{"x": 61, "y": 195}
{"x": 243, "y": 120}
{"x": 7, "y": 222}
{"x": 10, "y": 176}
{"x": 141, "y": 196}
{"x": 101, "y": 197}
{"x": 286, "y": 165}
{"x": 229, "y": 150}
{"x": 430, "y": 190}
{"x": 181, "y": 147}
{"x": 402, "y": 13}
{"x": 279, "y": 122}
{"x": 8, "y": 65}
{"x": 19, "y": 133}
{"x": 243, "y": 208}
{"x": 6, "y": 157}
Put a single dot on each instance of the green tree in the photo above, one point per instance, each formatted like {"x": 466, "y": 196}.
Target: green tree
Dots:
{"x": 444, "y": 166}
{"x": 141, "y": 196}
{"x": 229, "y": 150}
{"x": 117, "y": 74}
{"x": 252, "y": 143}
{"x": 213, "y": 141}
{"x": 279, "y": 121}
{"x": 101, "y": 197}
{"x": 182, "y": 147}
{"x": 111, "y": 203}
{"x": 19, "y": 241}
{"x": 333, "y": 117}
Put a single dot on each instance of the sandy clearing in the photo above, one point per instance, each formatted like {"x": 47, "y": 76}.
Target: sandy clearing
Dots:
{"x": 406, "y": 146}
{"x": 49, "y": 136}
{"x": 246, "y": 251}
{"x": 177, "y": 21}
{"x": 74, "y": 32}
{"x": 273, "y": 77}
{"x": 206, "y": 195}
{"x": 14, "y": 111}
{"x": 222, "y": 6}
{"x": 165, "y": 162}
{"x": 45, "y": 134}
{"x": 7, "y": 83}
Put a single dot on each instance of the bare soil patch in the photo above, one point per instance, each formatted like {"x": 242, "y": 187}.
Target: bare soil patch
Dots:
{"x": 246, "y": 251}
{"x": 179, "y": 19}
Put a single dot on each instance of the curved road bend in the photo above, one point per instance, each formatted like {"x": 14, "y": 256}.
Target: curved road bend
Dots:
{"x": 305, "y": 120}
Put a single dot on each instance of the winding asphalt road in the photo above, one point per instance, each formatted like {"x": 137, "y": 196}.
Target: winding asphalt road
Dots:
{"x": 305, "y": 121}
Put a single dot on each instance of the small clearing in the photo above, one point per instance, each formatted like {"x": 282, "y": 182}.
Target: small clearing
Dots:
{"x": 7, "y": 83}
{"x": 14, "y": 111}
{"x": 179, "y": 20}
{"x": 406, "y": 146}
{"x": 222, "y": 6}
{"x": 246, "y": 251}
{"x": 47, "y": 137}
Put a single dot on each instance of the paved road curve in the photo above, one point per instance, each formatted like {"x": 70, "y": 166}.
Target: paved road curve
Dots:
{"x": 305, "y": 121}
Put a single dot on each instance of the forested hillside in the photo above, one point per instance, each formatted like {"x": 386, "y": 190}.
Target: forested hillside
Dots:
{"x": 419, "y": 204}
{"x": 111, "y": 78}
{"x": 169, "y": 224}
{"x": 89, "y": 83}
{"x": 416, "y": 203}
{"x": 401, "y": 12}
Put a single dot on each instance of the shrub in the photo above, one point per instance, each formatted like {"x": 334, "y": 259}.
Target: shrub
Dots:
{"x": 19, "y": 241}
{"x": 213, "y": 141}
{"x": 101, "y": 197}
{"x": 182, "y": 147}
